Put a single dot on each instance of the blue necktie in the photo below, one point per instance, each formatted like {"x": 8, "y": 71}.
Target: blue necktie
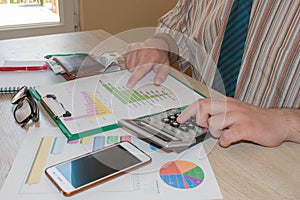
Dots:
{"x": 232, "y": 48}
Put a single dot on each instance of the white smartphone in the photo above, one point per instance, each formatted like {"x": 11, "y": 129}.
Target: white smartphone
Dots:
{"x": 90, "y": 169}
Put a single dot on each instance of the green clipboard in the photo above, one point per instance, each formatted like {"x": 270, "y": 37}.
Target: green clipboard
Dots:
{"x": 74, "y": 136}
{"x": 63, "y": 128}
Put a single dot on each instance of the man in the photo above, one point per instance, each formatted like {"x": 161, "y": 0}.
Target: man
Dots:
{"x": 265, "y": 107}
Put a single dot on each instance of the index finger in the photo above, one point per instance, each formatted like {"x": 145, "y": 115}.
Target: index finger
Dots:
{"x": 187, "y": 113}
{"x": 203, "y": 109}
{"x": 138, "y": 73}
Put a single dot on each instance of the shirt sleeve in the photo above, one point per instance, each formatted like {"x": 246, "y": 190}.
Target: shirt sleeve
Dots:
{"x": 176, "y": 23}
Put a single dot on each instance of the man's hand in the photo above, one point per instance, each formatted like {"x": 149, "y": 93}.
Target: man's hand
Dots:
{"x": 232, "y": 120}
{"x": 145, "y": 56}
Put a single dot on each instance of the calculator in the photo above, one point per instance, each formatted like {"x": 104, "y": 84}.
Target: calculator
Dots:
{"x": 163, "y": 131}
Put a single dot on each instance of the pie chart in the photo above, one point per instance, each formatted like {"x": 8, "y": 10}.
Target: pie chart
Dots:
{"x": 181, "y": 174}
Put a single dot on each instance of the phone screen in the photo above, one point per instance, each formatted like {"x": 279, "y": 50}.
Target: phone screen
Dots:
{"x": 90, "y": 168}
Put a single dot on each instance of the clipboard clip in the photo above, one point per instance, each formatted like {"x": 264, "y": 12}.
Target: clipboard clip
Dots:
{"x": 55, "y": 107}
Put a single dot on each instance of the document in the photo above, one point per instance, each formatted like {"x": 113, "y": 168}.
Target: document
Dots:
{"x": 96, "y": 103}
{"x": 187, "y": 175}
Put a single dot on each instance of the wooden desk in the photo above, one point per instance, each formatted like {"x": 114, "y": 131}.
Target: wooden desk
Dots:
{"x": 243, "y": 171}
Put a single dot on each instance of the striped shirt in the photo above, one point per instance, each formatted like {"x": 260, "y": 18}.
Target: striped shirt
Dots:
{"x": 270, "y": 71}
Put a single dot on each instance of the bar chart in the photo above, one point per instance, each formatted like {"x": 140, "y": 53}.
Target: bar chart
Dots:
{"x": 93, "y": 107}
{"x": 146, "y": 94}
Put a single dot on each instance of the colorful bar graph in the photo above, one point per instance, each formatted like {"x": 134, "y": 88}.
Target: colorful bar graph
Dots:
{"x": 37, "y": 168}
{"x": 128, "y": 96}
{"x": 112, "y": 139}
{"x": 58, "y": 145}
{"x": 126, "y": 138}
{"x": 94, "y": 107}
{"x": 87, "y": 140}
{"x": 73, "y": 141}
{"x": 100, "y": 142}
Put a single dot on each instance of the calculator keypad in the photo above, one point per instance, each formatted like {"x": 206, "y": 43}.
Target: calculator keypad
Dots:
{"x": 166, "y": 121}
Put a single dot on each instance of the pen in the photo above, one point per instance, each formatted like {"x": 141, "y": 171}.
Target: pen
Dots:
{"x": 64, "y": 54}
{"x": 23, "y": 68}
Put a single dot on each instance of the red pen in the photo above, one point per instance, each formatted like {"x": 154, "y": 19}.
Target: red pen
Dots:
{"x": 23, "y": 68}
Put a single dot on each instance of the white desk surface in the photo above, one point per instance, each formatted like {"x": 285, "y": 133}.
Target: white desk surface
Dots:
{"x": 243, "y": 171}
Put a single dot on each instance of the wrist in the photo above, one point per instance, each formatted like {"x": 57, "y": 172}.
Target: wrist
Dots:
{"x": 292, "y": 122}
{"x": 172, "y": 47}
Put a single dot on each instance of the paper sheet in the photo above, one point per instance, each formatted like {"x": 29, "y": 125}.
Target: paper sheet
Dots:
{"x": 149, "y": 182}
{"x": 102, "y": 100}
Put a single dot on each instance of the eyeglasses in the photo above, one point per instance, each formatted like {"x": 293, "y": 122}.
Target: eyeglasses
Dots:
{"x": 26, "y": 108}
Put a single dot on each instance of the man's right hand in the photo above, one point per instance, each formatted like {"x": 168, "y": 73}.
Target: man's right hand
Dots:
{"x": 142, "y": 57}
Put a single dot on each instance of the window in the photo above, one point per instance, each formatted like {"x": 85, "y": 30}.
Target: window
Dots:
{"x": 22, "y": 18}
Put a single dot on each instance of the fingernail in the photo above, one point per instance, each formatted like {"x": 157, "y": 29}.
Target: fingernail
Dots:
{"x": 129, "y": 85}
{"x": 179, "y": 120}
{"x": 131, "y": 69}
{"x": 158, "y": 82}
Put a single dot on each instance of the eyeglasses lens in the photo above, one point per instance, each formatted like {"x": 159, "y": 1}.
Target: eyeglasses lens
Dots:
{"x": 26, "y": 108}
{"x": 19, "y": 95}
{"x": 23, "y": 111}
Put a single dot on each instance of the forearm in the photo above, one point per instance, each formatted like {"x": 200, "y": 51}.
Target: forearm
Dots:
{"x": 291, "y": 120}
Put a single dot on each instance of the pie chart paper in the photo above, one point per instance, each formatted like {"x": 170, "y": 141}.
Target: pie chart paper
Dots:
{"x": 181, "y": 174}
